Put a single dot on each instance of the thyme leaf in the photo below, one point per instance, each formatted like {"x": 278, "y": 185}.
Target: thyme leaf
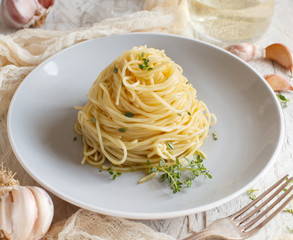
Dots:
{"x": 283, "y": 100}
{"x": 251, "y": 194}
{"x": 122, "y": 129}
{"x": 215, "y": 136}
{"x": 93, "y": 120}
{"x": 288, "y": 210}
{"x": 129, "y": 114}
{"x": 170, "y": 145}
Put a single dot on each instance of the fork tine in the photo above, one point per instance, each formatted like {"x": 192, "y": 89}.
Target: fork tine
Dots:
{"x": 281, "y": 188}
{"x": 243, "y": 210}
{"x": 280, "y": 208}
{"x": 269, "y": 208}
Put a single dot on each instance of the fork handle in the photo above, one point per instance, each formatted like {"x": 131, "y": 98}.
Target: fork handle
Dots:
{"x": 199, "y": 235}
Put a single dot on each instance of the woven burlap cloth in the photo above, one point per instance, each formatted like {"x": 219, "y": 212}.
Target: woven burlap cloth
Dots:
{"x": 22, "y": 51}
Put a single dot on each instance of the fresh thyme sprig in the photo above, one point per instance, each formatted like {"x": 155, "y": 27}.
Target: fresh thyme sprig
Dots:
{"x": 113, "y": 172}
{"x": 173, "y": 174}
{"x": 288, "y": 210}
{"x": 145, "y": 65}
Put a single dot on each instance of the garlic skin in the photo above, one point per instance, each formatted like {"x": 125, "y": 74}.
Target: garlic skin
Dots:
{"x": 7, "y": 180}
{"x": 25, "y": 13}
{"x": 25, "y": 213}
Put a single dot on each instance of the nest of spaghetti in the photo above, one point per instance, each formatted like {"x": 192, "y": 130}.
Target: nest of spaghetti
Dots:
{"x": 141, "y": 111}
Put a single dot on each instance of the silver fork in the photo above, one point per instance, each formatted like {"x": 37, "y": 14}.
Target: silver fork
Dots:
{"x": 238, "y": 226}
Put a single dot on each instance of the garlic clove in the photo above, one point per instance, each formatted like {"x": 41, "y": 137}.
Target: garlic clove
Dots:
{"x": 281, "y": 54}
{"x": 245, "y": 51}
{"x": 24, "y": 13}
{"x": 45, "y": 212}
{"x": 6, "y": 210}
{"x": 278, "y": 83}
{"x": 18, "y": 219}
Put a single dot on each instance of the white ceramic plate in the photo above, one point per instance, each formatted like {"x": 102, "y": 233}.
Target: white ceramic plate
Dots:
{"x": 42, "y": 115}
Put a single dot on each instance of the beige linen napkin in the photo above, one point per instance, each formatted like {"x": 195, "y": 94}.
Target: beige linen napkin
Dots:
{"x": 92, "y": 226}
{"x": 22, "y": 51}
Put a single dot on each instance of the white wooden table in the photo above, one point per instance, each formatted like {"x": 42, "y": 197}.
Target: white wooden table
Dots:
{"x": 72, "y": 14}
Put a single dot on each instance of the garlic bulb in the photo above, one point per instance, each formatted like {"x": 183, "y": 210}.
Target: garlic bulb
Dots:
{"x": 25, "y": 213}
{"x": 25, "y": 13}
